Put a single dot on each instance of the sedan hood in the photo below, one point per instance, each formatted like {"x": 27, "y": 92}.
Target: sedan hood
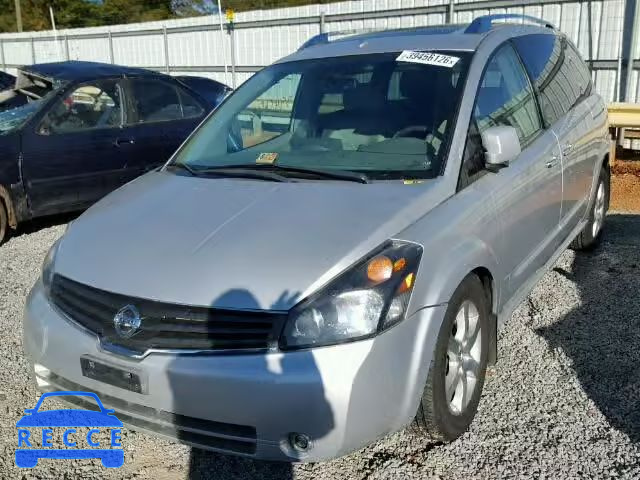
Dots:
{"x": 231, "y": 243}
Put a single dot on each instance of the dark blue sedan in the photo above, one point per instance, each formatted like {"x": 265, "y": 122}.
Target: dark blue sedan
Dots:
{"x": 71, "y": 132}
{"x": 6, "y": 80}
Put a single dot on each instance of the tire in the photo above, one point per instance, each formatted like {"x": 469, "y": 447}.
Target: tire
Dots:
{"x": 591, "y": 234}
{"x": 442, "y": 416}
{"x": 4, "y": 223}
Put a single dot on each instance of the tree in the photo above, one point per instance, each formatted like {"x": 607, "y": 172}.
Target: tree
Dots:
{"x": 245, "y": 5}
{"x": 90, "y": 13}
{"x": 193, "y": 8}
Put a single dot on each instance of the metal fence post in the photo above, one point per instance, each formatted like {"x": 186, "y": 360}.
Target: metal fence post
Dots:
{"x": 33, "y": 51}
{"x": 628, "y": 29}
{"x": 166, "y": 49}
{"x": 66, "y": 47}
{"x": 110, "y": 37}
{"x": 634, "y": 36}
{"x": 322, "y": 25}
{"x": 4, "y": 65}
{"x": 451, "y": 11}
{"x": 230, "y": 30}
{"x": 629, "y": 35}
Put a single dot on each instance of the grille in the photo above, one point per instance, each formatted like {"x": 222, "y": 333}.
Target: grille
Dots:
{"x": 205, "y": 433}
{"x": 165, "y": 326}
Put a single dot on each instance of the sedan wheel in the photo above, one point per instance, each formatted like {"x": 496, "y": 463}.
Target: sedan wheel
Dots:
{"x": 4, "y": 229}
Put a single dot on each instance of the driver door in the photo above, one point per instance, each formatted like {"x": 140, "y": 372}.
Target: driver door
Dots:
{"x": 72, "y": 157}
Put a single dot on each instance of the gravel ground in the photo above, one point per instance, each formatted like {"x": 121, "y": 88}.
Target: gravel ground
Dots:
{"x": 625, "y": 191}
{"x": 561, "y": 403}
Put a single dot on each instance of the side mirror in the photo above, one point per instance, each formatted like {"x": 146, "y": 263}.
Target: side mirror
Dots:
{"x": 501, "y": 145}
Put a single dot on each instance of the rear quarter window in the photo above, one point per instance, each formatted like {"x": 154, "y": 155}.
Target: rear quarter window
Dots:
{"x": 557, "y": 71}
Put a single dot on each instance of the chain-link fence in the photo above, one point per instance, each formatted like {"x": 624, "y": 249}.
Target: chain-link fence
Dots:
{"x": 199, "y": 45}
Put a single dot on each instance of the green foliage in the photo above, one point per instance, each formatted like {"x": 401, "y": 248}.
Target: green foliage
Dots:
{"x": 91, "y": 13}
{"x": 244, "y": 5}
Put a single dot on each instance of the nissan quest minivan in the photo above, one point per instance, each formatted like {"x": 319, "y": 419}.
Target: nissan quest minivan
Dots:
{"x": 329, "y": 256}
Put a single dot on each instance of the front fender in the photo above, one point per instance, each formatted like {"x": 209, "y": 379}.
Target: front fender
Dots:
{"x": 458, "y": 237}
{"x": 11, "y": 189}
{"x": 442, "y": 274}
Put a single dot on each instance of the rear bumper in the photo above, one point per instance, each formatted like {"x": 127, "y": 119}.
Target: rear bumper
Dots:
{"x": 342, "y": 397}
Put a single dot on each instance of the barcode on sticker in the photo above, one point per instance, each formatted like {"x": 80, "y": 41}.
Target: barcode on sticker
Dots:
{"x": 427, "y": 58}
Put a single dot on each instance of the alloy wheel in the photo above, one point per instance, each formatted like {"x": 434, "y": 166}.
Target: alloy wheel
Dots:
{"x": 598, "y": 211}
{"x": 463, "y": 358}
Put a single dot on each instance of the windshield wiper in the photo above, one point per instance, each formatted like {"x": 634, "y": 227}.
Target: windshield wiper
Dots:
{"x": 230, "y": 172}
{"x": 183, "y": 166}
{"x": 345, "y": 175}
{"x": 240, "y": 173}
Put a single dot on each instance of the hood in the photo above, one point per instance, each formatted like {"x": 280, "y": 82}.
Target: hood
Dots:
{"x": 231, "y": 243}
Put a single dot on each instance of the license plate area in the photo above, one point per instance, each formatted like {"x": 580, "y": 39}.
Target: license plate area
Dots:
{"x": 127, "y": 379}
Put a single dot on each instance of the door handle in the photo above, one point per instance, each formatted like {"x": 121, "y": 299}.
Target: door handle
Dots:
{"x": 119, "y": 142}
{"x": 552, "y": 162}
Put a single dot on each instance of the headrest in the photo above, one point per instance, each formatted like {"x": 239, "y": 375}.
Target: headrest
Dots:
{"x": 416, "y": 84}
{"x": 362, "y": 97}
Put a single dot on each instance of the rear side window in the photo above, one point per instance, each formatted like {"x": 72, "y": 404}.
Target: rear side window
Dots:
{"x": 558, "y": 73}
{"x": 156, "y": 101}
{"x": 190, "y": 107}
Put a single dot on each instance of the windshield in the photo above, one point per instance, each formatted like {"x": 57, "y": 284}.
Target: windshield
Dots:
{"x": 13, "y": 117}
{"x": 388, "y": 116}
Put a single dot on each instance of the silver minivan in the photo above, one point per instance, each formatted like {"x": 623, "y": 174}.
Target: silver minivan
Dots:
{"x": 329, "y": 256}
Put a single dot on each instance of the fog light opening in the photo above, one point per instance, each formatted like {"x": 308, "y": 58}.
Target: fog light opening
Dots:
{"x": 41, "y": 370}
{"x": 300, "y": 442}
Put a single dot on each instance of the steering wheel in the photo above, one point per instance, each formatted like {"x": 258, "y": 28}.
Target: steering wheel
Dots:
{"x": 410, "y": 130}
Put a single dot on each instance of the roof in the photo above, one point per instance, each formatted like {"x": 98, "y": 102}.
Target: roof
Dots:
{"x": 446, "y": 37}
{"x": 75, "y": 70}
{"x": 456, "y": 37}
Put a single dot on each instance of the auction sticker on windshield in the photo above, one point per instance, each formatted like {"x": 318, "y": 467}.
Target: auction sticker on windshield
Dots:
{"x": 427, "y": 58}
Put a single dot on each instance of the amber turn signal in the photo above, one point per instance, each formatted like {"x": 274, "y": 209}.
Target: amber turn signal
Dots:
{"x": 399, "y": 265}
{"x": 406, "y": 284}
{"x": 380, "y": 269}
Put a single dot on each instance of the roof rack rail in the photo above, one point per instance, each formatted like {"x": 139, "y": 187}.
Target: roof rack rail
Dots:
{"x": 483, "y": 24}
{"x": 326, "y": 37}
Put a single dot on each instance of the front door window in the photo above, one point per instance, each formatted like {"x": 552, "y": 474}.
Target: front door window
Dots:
{"x": 90, "y": 106}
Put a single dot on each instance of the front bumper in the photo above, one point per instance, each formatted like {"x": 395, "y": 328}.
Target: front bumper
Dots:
{"x": 342, "y": 397}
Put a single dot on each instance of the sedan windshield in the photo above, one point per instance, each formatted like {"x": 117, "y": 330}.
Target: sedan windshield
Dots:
{"x": 13, "y": 117}
{"x": 386, "y": 116}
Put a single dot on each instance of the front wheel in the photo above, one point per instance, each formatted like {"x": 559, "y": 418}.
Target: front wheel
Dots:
{"x": 592, "y": 231}
{"x": 4, "y": 223}
{"x": 457, "y": 372}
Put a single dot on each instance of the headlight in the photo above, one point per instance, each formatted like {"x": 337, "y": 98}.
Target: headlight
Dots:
{"x": 48, "y": 267}
{"x": 368, "y": 298}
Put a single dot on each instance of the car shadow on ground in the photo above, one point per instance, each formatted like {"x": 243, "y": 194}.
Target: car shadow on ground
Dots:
{"x": 209, "y": 465}
{"x": 33, "y": 226}
{"x": 205, "y": 464}
{"x": 602, "y": 335}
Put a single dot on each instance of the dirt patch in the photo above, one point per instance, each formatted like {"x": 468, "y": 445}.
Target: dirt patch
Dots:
{"x": 630, "y": 165}
{"x": 625, "y": 187}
